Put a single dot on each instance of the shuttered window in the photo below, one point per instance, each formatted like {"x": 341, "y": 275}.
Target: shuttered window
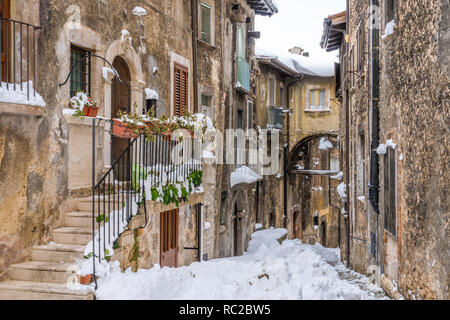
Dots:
{"x": 390, "y": 192}
{"x": 205, "y": 12}
{"x": 180, "y": 87}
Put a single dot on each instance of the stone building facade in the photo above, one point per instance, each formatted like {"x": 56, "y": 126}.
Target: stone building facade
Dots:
{"x": 46, "y": 153}
{"x": 394, "y": 141}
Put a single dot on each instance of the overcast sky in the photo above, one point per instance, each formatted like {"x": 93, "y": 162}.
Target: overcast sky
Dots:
{"x": 297, "y": 23}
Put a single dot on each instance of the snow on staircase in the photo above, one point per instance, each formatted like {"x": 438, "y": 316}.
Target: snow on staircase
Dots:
{"x": 51, "y": 269}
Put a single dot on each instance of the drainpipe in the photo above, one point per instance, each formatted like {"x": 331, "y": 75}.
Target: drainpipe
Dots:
{"x": 194, "y": 8}
{"x": 347, "y": 144}
{"x": 374, "y": 109}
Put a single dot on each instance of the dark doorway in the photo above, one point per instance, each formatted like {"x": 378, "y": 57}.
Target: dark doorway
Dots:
{"x": 235, "y": 232}
{"x": 4, "y": 13}
{"x": 298, "y": 225}
{"x": 169, "y": 238}
{"x": 323, "y": 234}
{"x": 120, "y": 101}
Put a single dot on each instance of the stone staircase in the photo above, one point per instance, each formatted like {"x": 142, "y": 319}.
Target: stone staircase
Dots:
{"x": 51, "y": 268}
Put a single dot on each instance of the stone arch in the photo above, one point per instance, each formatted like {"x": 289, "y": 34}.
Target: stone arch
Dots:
{"x": 124, "y": 50}
{"x": 293, "y": 154}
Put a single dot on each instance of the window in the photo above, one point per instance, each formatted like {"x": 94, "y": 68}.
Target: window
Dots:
{"x": 272, "y": 92}
{"x": 334, "y": 163}
{"x": 206, "y": 105}
{"x": 223, "y": 207}
{"x": 241, "y": 43}
{"x": 205, "y": 29}
{"x": 180, "y": 88}
{"x": 389, "y": 13}
{"x": 390, "y": 192}
{"x": 80, "y": 63}
{"x": 282, "y": 97}
{"x": 249, "y": 114}
{"x": 359, "y": 48}
{"x": 317, "y": 98}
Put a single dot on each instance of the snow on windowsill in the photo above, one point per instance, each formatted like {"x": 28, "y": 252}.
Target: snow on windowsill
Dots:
{"x": 317, "y": 109}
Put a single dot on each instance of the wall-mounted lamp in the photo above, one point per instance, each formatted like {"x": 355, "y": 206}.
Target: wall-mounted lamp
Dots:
{"x": 140, "y": 12}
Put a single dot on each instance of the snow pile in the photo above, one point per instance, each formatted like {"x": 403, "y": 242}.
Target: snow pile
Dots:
{"x": 258, "y": 226}
{"x": 382, "y": 148}
{"x": 207, "y": 225}
{"x": 244, "y": 175}
{"x": 339, "y": 176}
{"x": 20, "y": 94}
{"x": 139, "y": 11}
{"x": 268, "y": 270}
{"x": 125, "y": 35}
{"x": 389, "y": 29}
{"x": 151, "y": 94}
{"x": 341, "y": 190}
{"x": 325, "y": 144}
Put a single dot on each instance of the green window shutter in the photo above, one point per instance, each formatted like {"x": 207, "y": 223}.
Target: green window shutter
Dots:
{"x": 206, "y": 23}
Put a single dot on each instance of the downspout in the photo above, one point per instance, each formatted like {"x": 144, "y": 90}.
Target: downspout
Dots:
{"x": 347, "y": 143}
{"x": 375, "y": 125}
{"x": 194, "y": 8}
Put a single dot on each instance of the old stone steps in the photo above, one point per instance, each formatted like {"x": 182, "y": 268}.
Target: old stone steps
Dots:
{"x": 30, "y": 290}
{"x": 51, "y": 272}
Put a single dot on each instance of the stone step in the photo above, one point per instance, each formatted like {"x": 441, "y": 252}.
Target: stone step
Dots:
{"x": 72, "y": 235}
{"x": 58, "y": 252}
{"x": 78, "y": 219}
{"x": 85, "y": 204}
{"x": 29, "y": 290}
{"x": 43, "y": 271}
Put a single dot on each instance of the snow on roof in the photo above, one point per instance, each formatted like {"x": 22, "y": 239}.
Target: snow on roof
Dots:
{"x": 244, "y": 175}
{"x": 299, "y": 64}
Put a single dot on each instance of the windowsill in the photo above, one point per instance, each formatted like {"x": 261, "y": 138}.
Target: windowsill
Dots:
{"x": 242, "y": 89}
{"x": 206, "y": 44}
{"x": 21, "y": 109}
{"x": 80, "y": 121}
{"x": 317, "y": 110}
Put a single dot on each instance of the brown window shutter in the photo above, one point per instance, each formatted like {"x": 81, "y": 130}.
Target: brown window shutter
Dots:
{"x": 180, "y": 90}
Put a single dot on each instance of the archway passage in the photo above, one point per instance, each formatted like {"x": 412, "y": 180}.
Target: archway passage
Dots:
{"x": 120, "y": 101}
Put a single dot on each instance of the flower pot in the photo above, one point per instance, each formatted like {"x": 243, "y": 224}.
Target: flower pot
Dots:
{"x": 85, "y": 279}
{"x": 122, "y": 130}
{"x": 90, "y": 111}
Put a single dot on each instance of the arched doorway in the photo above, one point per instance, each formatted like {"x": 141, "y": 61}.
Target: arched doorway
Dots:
{"x": 120, "y": 101}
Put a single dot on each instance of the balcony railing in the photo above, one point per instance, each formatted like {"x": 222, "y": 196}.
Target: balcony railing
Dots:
{"x": 18, "y": 59}
{"x": 275, "y": 118}
{"x": 243, "y": 74}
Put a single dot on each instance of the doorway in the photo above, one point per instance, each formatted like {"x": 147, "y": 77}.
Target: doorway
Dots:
{"x": 120, "y": 102}
{"x": 4, "y": 13}
{"x": 169, "y": 238}
{"x": 297, "y": 225}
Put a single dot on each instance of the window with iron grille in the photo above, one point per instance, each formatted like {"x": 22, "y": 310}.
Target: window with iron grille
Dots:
{"x": 390, "y": 192}
{"x": 80, "y": 64}
{"x": 205, "y": 14}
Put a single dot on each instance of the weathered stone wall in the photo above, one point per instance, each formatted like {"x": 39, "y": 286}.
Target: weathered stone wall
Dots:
{"x": 414, "y": 113}
{"x": 415, "y": 110}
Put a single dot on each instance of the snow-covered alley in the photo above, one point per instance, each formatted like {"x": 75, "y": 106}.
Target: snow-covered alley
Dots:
{"x": 268, "y": 270}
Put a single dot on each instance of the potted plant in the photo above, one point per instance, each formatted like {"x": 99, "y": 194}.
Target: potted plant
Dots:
{"x": 86, "y": 279}
{"x": 83, "y": 104}
{"x": 123, "y": 130}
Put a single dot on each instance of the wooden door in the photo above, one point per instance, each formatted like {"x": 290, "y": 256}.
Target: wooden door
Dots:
{"x": 169, "y": 238}
{"x": 297, "y": 225}
{"x": 4, "y": 13}
{"x": 180, "y": 88}
{"x": 120, "y": 101}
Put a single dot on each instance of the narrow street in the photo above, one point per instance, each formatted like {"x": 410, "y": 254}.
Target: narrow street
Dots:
{"x": 268, "y": 270}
